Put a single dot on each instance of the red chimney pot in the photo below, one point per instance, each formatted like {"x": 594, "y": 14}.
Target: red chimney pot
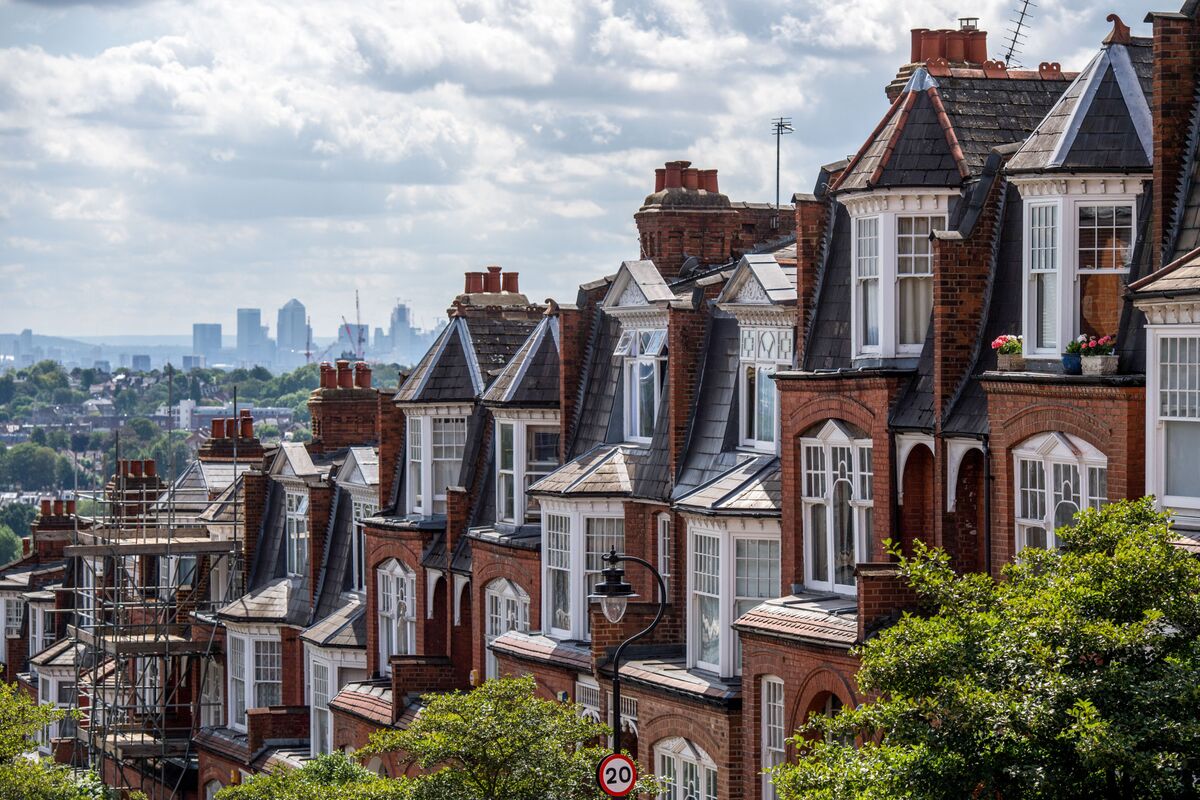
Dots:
{"x": 345, "y": 378}
{"x": 58, "y": 508}
{"x": 918, "y": 36}
{"x": 150, "y": 468}
{"x": 45, "y": 506}
{"x": 956, "y": 46}
{"x": 674, "y": 174}
{"x": 660, "y": 179}
{"x": 708, "y": 180}
{"x": 511, "y": 282}
{"x": 231, "y": 428}
{"x": 691, "y": 178}
{"x": 218, "y": 429}
{"x": 977, "y": 47}
{"x": 70, "y": 508}
{"x": 247, "y": 427}
{"x": 135, "y": 468}
{"x": 362, "y": 375}
{"x": 492, "y": 280}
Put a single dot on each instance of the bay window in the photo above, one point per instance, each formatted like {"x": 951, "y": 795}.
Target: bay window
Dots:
{"x": 762, "y": 352}
{"x": 1056, "y": 475}
{"x": 731, "y": 572}
{"x": 525, "y": 453}
{"x": 507, "y": 610}
{"x": 255, "y": 666}
{"x": 360, "y": 510}
{"x": 321, "y": 722}
{"x": 296, "y": 514}
{"x": 1079, "y": 238}
{"x": 838, "y": 497}
{"x": 397, "y": 612}
{"x": 643, "y": 352}
{"x": 687, "y": 772}
{"x": 435, "y": 447}
{"x": 774, "y": 732}
{"x": 58, "y": 691}
{"x": 41, "y": 629}
{"x": 892, "y": 269}
{"x": 1173, "y": 408}
{"x": 574, "y": 541}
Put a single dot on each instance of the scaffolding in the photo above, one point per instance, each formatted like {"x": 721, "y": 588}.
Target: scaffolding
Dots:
{"x": 141, "y": 581}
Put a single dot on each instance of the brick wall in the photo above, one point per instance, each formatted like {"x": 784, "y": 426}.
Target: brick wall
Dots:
{"x": 406, "y": 547}
{"x": 920, "y": 489}
{"x": 292, "y": 655}
{"x": 490, "y": 562}
{"x": 353, "y": 732}
{"x": 717, "y": 730}
{"x": 276, "y": 722}
{"x": 1110, "y": 418}
{"x": 254, "y": 488}
{"x": 390, "y": 435}
{"x": 1176, "y": 62}
{"x": 811, "y": 218}
{"x": 345, "y": 410}
{"x": 413, "y": 676}
{"x": 882, "y": 594}
{"x": 320, "y": 505}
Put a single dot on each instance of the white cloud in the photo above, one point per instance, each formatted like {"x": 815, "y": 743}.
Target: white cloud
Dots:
{"x": 182, "y": 158}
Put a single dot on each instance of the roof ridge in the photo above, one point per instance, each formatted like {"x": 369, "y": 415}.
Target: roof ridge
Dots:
{"x": 948, "y": 131}
{"x": 862, "y": 150}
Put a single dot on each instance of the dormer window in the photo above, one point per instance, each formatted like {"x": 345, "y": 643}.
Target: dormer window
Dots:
{"x": 296, "y": 513}
{"x": 892, "y": 268}
{"x": 1079, "y": 239}
{"x": 436, "y": 443}
{"x": 526, "y": 452}
{"x": 643, "y": 352}
{"x": 762, "y": 352}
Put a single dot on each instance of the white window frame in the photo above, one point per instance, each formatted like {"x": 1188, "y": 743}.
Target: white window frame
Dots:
{"x": 401, "y": 622}
{"x": 817, "y": 492}
{"x": 505, "y": 602}
{"x": 246, "y": 670}
{"x": 296, "y": 531}
{"x": 360, "y": 508}
{"x": 765, "y": 350}
{"x": 212, "y": 694}
{"x": 639, "y": 347}
{"x": 665, "y": 538}
{"x": 773, "y": 731}
{"x": 885, "y": 207}
{"x": 726, "y": 534}
{"x": 320, "y": 717}
{"x": 523, "y": 472}
{"x": 422, "y": 496}
{"x": 1185, "y": 508}
{"x": 687, "y": 771}
{"x": 41, "y": 628}
{"x": 1034, "y": 507}
{"x": 573, "y": 562}
{"x": 936, "y": 222}
{"x": 1066, "y": 242}
{"x": 49, "y": 688}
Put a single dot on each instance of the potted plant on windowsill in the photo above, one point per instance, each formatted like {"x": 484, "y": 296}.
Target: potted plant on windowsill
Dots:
{"x": 1009, "y": 353}
{"x": 1098, "y": 355}
{"x": 1071, "y": 359}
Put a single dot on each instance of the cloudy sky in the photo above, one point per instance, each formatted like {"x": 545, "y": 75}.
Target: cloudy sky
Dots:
{"x": 165, "y": 162}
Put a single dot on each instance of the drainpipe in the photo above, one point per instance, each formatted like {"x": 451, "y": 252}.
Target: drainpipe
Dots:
{"x": 987, "y": 506}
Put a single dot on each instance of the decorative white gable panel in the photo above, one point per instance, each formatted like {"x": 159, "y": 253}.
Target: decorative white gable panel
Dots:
{"x": 632, "y": 296}
{"x": 767, "y": 344}
{"x": 751, "y": 292}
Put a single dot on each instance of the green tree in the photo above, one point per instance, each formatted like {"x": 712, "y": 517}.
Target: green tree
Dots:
{"x": 38, "y": 436}
{"x": 31, "y": 466}
{"x": 25, "y": 778}
{"x": 58, "y": 439}
{"x": 501, "y": 741}
{"x": 10, "y": 545}
{"x": 329, "y": 777}
{"x": 145, "y": 430}
{"x": 1075, "y": 677}
{"x": 18, "y": 517}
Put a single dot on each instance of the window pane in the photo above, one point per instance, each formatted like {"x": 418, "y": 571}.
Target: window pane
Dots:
{"x": 1105, "y": 237}
{"x": 1035, "y": 537}
{"x": 764, "y": 423}
{"x": 449, "y": 440}
{"x": 1043, "y": 265}
{"x": 818, "y": 545}
{"x": 869, "y": 312}
{"x": 1100, "y": 303}
{"x": 1182, "y": 459}
{"x": 1179, "y": 377}
{"x": 843, "y": 533}
{"x": 916, "y": 305}
{"x": 558, "y": 567}
{"x": 866, "y": 269}
{"x": 709, "y": 629}
{"x": 414, "y": 464}
{"x": 647, "y": 398}
{"x": 706, "y": 572}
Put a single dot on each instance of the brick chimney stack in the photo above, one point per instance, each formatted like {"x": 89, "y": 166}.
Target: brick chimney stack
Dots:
{"x": 486, "y": 292}
{"x": 344, "y": 408}
{"x": 686, "y": 215}
{"x": 965, "y": 47}
{"x": 225, "y": 432}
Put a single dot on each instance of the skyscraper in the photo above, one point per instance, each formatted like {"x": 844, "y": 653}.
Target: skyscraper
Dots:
{"x": 291, "y": 329}
{"x": 206, "y": 340}
{"x": 249, "y": 333}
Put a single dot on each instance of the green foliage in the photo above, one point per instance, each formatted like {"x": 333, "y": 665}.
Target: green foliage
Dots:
{"x": 38, "y": 436}
{"x": 501, "y": 741}
{"x": 1075, "y": 677}
{"x": 18, "y": 517}
{"x": 25, "y": 778}
{"x": 10, "y": 545}
{"x": 328, "y": 777}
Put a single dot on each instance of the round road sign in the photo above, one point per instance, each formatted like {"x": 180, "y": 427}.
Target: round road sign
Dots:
{"x": 616, "y": 775}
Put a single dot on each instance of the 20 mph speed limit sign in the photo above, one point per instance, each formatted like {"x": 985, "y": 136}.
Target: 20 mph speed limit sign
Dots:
{"x": 616, "y": 775}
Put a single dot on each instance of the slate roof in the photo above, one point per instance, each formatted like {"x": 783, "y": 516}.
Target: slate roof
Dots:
{"x": 534, "y": 646}
{"x": 344, "y": 628}
{"x": 337, "y": 572}
{"x": 531, "y": 377}
{"x": 778, "y": 281}
{"x": 597, "y": 414}
{"x": 751, "y": 489}
{"x": 468, "y": 354}
{"x": 815, "y": 619}
{"x": 228, "y": 505}
{"x": 1186, "y": 217}
{"x": 1180, "y": 278}
{"x": 827, "y": 345}
{"x": 371, "y": 700}
{"x": 645, "y": 276}
{"x": 713, "y": 434}
{"x": 940, "y": 130}
{"x": 604, "y": 470}
{"x": 1102, "y": 122}
{"x": 673, "y": 675}
{"x": 283, "y": 601}
{"x": 63, "y": 653}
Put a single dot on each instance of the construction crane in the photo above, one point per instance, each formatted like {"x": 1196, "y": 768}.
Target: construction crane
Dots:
{"x": 308, "y": 353}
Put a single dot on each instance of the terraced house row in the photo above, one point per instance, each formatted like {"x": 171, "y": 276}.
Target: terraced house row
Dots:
{"x": 754, "y": 404}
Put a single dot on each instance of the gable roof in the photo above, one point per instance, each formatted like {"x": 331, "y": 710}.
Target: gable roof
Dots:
{"x": 1102, "y": 121}
{"x": 447, "y": 372}
{"x": 361, "y": 467}
{"x": 531, "y": 376}
{"x": 941, "y": 129}
{"x": 637, "y": 283}
{"x": 759, "y": 278}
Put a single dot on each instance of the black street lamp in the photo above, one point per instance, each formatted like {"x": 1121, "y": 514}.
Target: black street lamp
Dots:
{"x": 614, "y": 595}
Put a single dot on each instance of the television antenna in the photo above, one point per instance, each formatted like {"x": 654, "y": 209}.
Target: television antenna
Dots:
{"x": 1017, "y": 35}
{"x": 780, "y": 127}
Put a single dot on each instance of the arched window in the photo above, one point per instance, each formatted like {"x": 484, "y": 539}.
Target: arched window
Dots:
{"x": 774, "y": 731}
{"x": 211, "y": 788}
{"x": 1056, "y": 475}
{"x": 397, "y": 612}
{"x": 838, "y": 505}
{"x": 507, "y": 610}
{"x": 687, "y": 772}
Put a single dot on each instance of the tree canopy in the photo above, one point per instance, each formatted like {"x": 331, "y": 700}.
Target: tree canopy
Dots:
{"x": 26, "y": 778}
{"x": 1074, "y": 677}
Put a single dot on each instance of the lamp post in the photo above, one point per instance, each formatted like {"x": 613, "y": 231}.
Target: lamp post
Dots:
{"x": 614, "y": 595}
